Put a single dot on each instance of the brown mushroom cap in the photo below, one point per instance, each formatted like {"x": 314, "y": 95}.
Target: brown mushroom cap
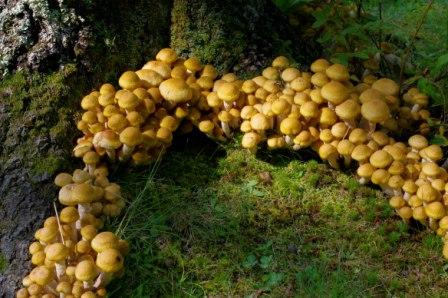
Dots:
{"x": 228, "y": 91}
{"x": 435, "y": 210}
{"x": 361, "y": 153}
{"x": 380, "y": 159}
{"x": 131, "y": 136}
{"x": 386, "y": 86}
{"x": 348, "y": 110}
{"x": 320, "y": 65}
{"x": 375, "y": 111}
{"x": 337, "y": 72}
{"x": 110, "y": 260}
{"x": 176, "y": 90}
{"x": 129, "y": 80}
{"x": 427, "y": 193}
{"x": 127, "y": 100}
{"x": 166, "y": 55}
{"x": 335, "y": 92}
{"x": 290, "y": 126}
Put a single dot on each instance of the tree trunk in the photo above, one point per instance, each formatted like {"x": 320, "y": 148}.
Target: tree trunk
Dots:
{"x": 54, "y": 52}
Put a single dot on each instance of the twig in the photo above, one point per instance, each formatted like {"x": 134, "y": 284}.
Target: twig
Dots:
{"x": 59, "y": 223}
{"x": 414, "y": 37}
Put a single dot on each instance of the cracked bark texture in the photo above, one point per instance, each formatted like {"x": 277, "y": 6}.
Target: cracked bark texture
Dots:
{"x": 52, "y": 52}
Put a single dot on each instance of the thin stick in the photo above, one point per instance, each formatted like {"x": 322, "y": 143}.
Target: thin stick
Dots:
{"x": 59, "y": 223}
{"x": 414, "y": 37}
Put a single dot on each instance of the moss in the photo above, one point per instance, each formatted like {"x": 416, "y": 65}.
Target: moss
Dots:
{"x": 233, "y": 35}
{"x": 3, "y": 262}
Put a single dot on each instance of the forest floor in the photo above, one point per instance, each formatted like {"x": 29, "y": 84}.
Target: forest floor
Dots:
{"x": 215, "y": 220}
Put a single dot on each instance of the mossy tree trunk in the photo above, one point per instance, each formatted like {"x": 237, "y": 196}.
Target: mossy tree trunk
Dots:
{"x": 67, "y": 48}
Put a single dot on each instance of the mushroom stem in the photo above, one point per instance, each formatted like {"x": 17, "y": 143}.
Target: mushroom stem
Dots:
{"x": 226, "y": 129}
{"x": 347, "y": 160}
{"x": 397, "y": 192}
{"x": 289, "y": 140}
{"x": 127, "y": 150}
{"x": 415, "y": 108}
{"x": 406, "y": 196}
{"x": 88, "y": 284}
{"x": 103, "y": 279}
{"x": 372, "y": 127}
{"x": 387, "y": 189}
{"x": 363, "y": 180}
{"x": 331, "y": 106}
{"x": 111, "y": 154}
{"x": 296, "y": 147}
{"x": 60, "y": 269}
{"x": 333, "y": 161}
{"x": 82, "y": 210}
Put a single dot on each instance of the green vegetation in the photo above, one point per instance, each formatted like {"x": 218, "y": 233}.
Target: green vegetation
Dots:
{"x": 210, "y": 220}
{"x": 3, "y": 262}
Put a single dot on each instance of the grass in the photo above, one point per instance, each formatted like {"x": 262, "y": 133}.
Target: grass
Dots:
{"x": 203, "y": 223}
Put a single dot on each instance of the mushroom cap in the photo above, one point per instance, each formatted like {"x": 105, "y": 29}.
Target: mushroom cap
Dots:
{"x": 56, "y": 252}
{"x": 63, "y": 179}
{"x": 396, "y": 181}
{"x": 127, "y": 100}
{"x": 380, "y": 137}
{"x": 319, "y": 79}
{"x": 431, "y": 169}
{"x": 435, "y": 210}
{"x": 160, "y": 67}
{"x": 193, "y": 64}
{"x": 83, "y": 193}
{"x": 380, "y": 159}
{"x": 432, "y": 152}
{"x": 370, "y": 94}
{"x": 427, "y": 193}
{"x": 228, "y": 91}
{"x": 106, "y": 99}
{"x": 320, "y": 65}
{"x": 247, "y": 112}
{"x": 250, "y": 140}
{"x": 104, "y": 240}
{"x": 397, "y": 202}
{"x": 405, "y": 212}
{"x": 41, "y": 275}
{"x": 348, "y": 110}
{"x": 210, "y": 71}
{"x": 443, "y": 223}
{"x": 107, "y": 88}
{"x": 335, "y": 92}
{"x": 206, "y": 126}
{"x": 176, "y": 90}
{"x": 365, "y": 170}
{"x": 280, "y": 62}
{"x": 270, "y": 73}
{"x": 397, "y": 151}
{"x": 386, "y": 86}
{"x": 345, "y": 147}
{"x": 169, "y": 122}
{"x": 65, "y": 195}
{"x": 337, "y": 72}
{"x": 259, "y": 122}
{"x": 326, "y": 151}
{"x": 131, "y": 136}
{"x": 86, "y": 270}
{"x": 338, "y": 130}
{"x": 225, "y": 116}
{"x": 289, "y": 74}
{"x": 309, "y": 109}
{"x": 419, "y": 213}
{"x": 396, "y": 168}
{"x": 166, "y": 55}
{"x": 88, "y": 232}
{"x": 375, "y": 111}
{"x": 110, "y": 260}
{"x": 249, "y": 86}
{"x": 108, "y": 139}
{"x": 300, "y": 84}
{"x": 91, "y": 157}
{"x": 327, "y": 117}
{"x": 129, "y": 80}
{"x": 361, "y": 153}
{"x": 358, "y": 136}
{"x": 89, "y": 102}
{"x": 280, "y": 106}
{"x": 409, "y": 186}
{"x": 149, "y": 78}
{"x": 380, "y": 177}
{"x": 303, "y": 139}
{"x": 290, "y": 126}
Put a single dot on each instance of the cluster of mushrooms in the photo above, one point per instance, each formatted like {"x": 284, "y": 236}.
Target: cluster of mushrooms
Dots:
{"x": 347, "y": 121}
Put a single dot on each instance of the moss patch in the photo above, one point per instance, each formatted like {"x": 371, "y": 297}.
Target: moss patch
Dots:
{"x": 3, "y": 262}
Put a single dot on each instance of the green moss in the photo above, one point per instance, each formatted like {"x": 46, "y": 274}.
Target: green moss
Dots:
{"x": 49, "y": 164}
{"x": 3, "y": 262}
